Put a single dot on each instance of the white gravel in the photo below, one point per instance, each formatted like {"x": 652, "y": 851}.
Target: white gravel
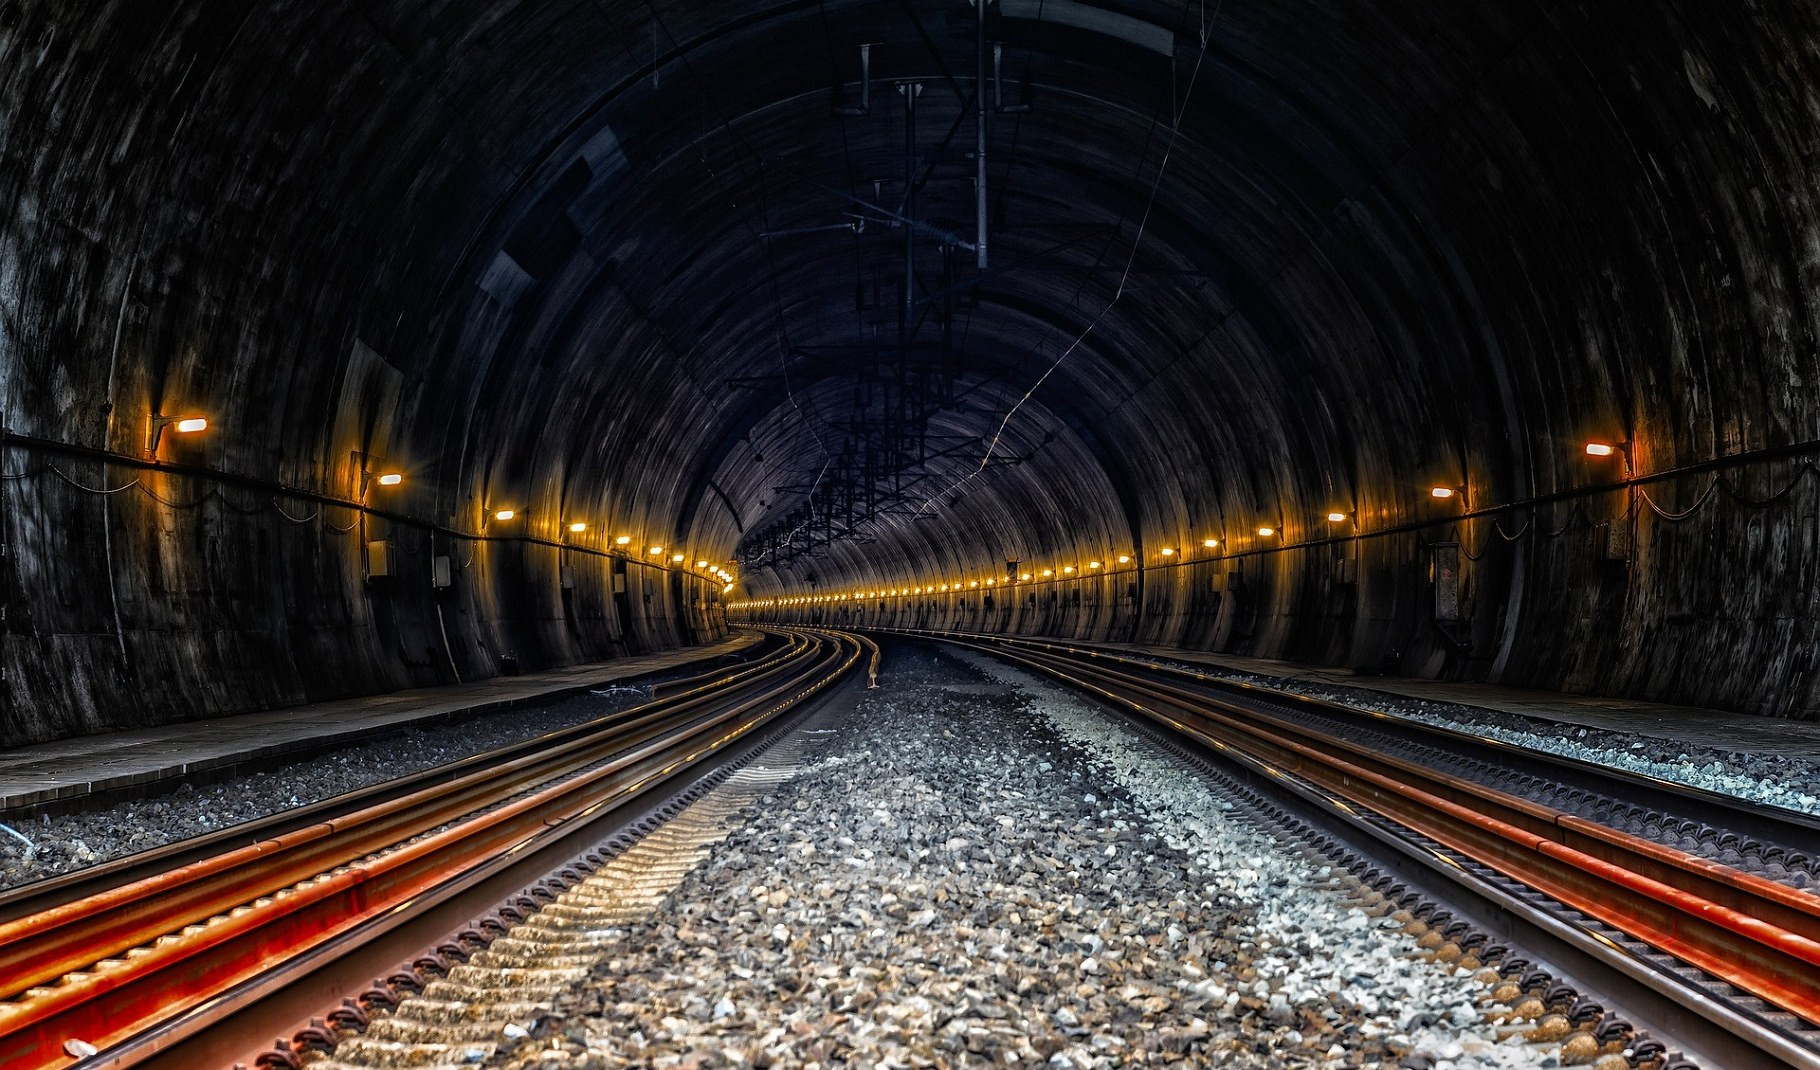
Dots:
{"x": 990, "y": 874}
{"x": 1313, "y": 949}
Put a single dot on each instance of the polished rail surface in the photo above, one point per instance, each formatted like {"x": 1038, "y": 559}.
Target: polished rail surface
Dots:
{"x": 101, "y": 958}
{"x": 1758, "y": 935}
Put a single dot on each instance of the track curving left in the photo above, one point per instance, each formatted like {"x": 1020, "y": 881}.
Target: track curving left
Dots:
{"x": 181, "y": 956}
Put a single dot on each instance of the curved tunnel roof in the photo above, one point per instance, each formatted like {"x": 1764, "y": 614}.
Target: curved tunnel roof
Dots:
{"x": 1250, "y": 262}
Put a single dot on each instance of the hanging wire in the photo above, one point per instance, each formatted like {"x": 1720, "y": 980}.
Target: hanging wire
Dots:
{"x": 1497, "y": 526}
{"x": 279, "y": 509}
{"x": 1578, "y": 512}
{"x": 1674, "y": 517}
{"x": 161, "y": 500}
{"x": 79, "y": 485}
{"x": 1807, "y": 469}
{"x": 1118, "y": 293}
{"x": 244, "y": 510}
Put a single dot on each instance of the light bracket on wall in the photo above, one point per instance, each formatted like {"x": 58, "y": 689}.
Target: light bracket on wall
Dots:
{"x": 183, "y": 425}
{"x": 373, "y": 471}
{"x": 1601, "y": 450}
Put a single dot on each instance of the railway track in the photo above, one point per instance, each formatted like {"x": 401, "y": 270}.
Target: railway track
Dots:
{"x": 1730, "y": 958}
{"x": 148, "y": 959}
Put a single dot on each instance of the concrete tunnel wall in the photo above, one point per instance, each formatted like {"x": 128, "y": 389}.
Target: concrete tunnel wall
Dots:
{"x": 512, "y": 254}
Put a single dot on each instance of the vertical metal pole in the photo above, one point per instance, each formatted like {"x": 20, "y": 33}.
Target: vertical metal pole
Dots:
{"x": 906, "y": 314}
{"x": 979, "y": 145}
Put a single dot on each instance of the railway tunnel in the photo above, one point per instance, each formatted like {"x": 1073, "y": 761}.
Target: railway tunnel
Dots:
{"x": 365, "y": 349}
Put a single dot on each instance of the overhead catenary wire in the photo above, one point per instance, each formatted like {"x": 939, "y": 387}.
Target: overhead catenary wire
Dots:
{"x": 1118, "y": 292}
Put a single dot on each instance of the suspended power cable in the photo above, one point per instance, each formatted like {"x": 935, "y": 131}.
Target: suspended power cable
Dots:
{"x": 1118, "y": 293}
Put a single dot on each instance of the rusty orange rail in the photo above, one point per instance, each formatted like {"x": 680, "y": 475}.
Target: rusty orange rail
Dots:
{"x": 1756, "y": 934}
{"x": 104, "y": 968}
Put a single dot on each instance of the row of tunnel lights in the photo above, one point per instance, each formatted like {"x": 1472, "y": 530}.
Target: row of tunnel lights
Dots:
{"x": 934, "y": 588}
{"x": 192, "y": 424}
{"x": 189, "y": 425}
{"x": 1593, "y": 449}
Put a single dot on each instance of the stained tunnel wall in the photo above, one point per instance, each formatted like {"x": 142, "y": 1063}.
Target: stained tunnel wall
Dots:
{"x": 507, "y": 251}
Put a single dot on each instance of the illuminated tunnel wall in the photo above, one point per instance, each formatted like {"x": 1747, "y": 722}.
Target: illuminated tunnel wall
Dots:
{"x": 1252, "y": 263}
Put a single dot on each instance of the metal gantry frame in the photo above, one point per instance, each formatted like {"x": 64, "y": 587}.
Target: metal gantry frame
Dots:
{"x": 885, "y": 442}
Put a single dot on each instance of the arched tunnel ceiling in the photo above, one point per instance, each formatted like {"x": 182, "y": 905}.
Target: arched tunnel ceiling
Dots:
{"x": 1250, "y": 259}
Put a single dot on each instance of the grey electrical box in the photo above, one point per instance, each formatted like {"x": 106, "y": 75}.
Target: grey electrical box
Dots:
{"x": 442, "y": 572}
{"x": 379, "y": 559}
{"x": 1613, "y": 541}
{"x": 1346, "y": 570}
{"x": 619, "y": 583}
{"x": 568, "y": 577}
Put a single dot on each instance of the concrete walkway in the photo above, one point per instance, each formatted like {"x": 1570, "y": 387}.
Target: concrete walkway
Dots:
{"x": 1712, "y": 728}
{"x": 40, "y": 772}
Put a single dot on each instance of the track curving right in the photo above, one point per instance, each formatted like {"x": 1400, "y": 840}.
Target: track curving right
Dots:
{"x": 1736, "y": 950}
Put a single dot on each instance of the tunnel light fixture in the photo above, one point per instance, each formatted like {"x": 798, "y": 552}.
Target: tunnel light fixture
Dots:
{"x": 1093, "y": 564}
{"x": 991, "y": 582}
{"x": 1124, "y": 559}
{"x": 1068, "y": 570}
{"x": 1024, "y": 576}
{"x": 183, "y": 425}
{"x": 1607, "y": 449}
{"x": 1441, "y": 492}
{"x": 1048, "y": 572}
{"x": 368, "y": 477}
{"x": 1336, "y": 518}
{"x": 505, "y": 514}
{"x": 972, "y": 584}
{"x": 1168, "y": 551}
{"x": 701, "y": 564}
{"x": 655, "y": 551}
{"x": 1266, "y": 531}
{"x": 677, "y": 559}
{"x": 1210, "y": 543}
{"x": 577, "y": 527}
{"x": 623, "y": 540}
{"x": 727, "y": 588}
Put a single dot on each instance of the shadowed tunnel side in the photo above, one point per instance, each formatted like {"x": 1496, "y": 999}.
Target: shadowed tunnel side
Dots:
{"x": 636, "y": 267}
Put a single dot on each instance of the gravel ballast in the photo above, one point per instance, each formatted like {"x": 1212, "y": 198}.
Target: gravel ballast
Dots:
{"x": 986, "y": 871}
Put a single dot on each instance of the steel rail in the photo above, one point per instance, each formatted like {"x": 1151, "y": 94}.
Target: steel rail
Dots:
{"x": 110, "y": 965}
{"x": 1787, "y": 828}
{"x": 1758, "y": 935}
{"x": 41, "y": 896}
{"x": 54, "y": 939}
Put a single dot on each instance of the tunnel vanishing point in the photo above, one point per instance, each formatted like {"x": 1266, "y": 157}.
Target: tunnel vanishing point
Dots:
{"x": 363, "y": 345}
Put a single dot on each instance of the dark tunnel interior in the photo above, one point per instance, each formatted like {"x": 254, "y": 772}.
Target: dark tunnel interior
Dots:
{"x": 696, "y": 293}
